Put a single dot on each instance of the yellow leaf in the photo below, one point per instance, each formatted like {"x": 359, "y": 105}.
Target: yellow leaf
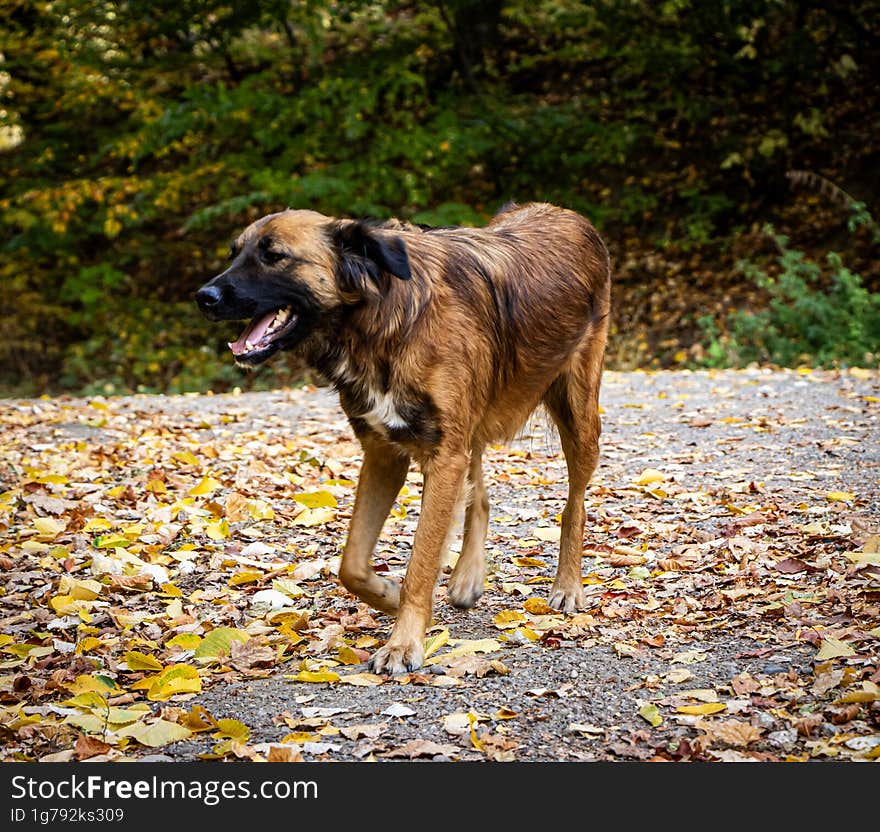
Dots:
{"x": 185, "y": 457}
{"x": 316, "y": 676}
{"x": 288, "y": 586}
{"x": 171, "y": 590}
{"x": 231, "y": 729}
{"x": 505, "y": 713}
{"x": 198, "y": 720}
{"x": 96, "y": 524}
{"x": 88, "y": 700}
{"x": 361, "y": 680}
{"x": 314, "y": 517}
{"x": 177, "y": 678}
{"x": 79, "y": 590}
{"x": 246, "y": 576}
{"x": 858, "y": 696}
{"x": 218, "y": 641}
{"x": 347, "y": 656}
{"x": 59, "y": 603}
{"x": 111, "y": 541}
{"x": 508, "y": 618}
{"x": 475, "y": 741}
{"x": 51, "y": 479}
{"x": 650, "y": 713}
{"x": 316, "y": 499}
{"x": 186, "y": 641}
{"x": 538, "y": 606}
{"x": 435, "y": 642}
{"x": 161, "y": 732}
{"x": 840, "y": 496}
{"x": 864, "y": 557}
{"x": 833, "y": 648}
{"x": 86, "y": 644}
{"x": 260, "y": 510}
{"x": 702, "y": 710}
{"x": 156, "y": 486}
{"x": 529, "y": 562}
{"x": 466, "y": 647}
{"x": 141, "y": 661}
{"x": 96, "y": 681}
{"x": 218, "y": 530}
{"x": 207, "y": 486}
{"x": 649, "y": 476}
{"x": 299, "y": 737}
{"x": 49, "y": 527}
{"x": 528, "y": 633}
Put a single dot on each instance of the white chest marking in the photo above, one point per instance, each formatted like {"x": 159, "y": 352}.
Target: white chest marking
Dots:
{"x": 382, "y": 415}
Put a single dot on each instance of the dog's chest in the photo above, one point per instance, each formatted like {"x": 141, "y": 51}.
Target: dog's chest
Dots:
{"x": 409, "y": 418}
{"x": 384, "y": 414}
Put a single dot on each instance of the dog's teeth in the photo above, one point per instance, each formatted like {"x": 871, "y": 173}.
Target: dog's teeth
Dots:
{"x": 249, "y": 345}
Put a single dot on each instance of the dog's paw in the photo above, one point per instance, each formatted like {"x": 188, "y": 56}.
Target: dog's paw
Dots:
{"x": 463, "y": 591}
{"x": 567, "y": 599}
{"x": 398, "y": 658}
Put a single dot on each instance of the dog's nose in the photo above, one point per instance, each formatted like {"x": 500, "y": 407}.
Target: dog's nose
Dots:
{"x": 208, "y": 297}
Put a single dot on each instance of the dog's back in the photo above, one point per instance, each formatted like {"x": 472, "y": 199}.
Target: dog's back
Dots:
{"x": 535, "y": 283}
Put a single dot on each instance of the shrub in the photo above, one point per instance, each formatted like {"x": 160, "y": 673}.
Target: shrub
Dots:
{"x": 821, "y": 316}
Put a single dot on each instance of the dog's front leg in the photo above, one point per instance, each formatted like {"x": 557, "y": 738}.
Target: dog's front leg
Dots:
{"x": 382, "y": 474}
{"x": 404, "y": 651}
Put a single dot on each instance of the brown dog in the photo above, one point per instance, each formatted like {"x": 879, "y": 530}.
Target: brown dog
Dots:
{"x": 438, "y": 341}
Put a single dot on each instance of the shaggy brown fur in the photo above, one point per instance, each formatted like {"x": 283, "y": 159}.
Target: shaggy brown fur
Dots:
{"x": 438, "y": 341}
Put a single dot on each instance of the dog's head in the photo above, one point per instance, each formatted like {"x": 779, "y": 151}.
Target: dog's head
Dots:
{"x": 290, "y": 270}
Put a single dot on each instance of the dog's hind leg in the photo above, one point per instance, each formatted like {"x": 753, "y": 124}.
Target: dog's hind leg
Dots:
{"x": 573, "y": 402}
{"x": 382, "y": 474}
{"x": 467, "y": 579}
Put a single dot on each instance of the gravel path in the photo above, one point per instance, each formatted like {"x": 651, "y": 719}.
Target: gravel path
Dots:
{"x": 732, "y": 526}
{"x": 795, "y": 437}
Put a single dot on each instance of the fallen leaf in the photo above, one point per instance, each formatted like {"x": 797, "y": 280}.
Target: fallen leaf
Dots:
{"x": 176, "y": 679}
{"x": 86, "y": 747}
{"x": 279, "y": 753}
{"x": 422, "y": 748}
{"x": 159, "y": 733}
{"x": 731, "y": 732}
{"x": 649, "y": 476}
{"x": 317, "y": 676}
{"x": 651, "y": 714}
{"x": 217, "y": 642}
{"x": 704, "y": 709}
{"x": 141, "y": 661}
{"x": 398, "y": 709}
{"x": 316, "y": 499}
{"x": 833, "y": 648}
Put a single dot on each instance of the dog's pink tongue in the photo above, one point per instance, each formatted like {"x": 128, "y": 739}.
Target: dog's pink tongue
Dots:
{"x": 253, "y": 333}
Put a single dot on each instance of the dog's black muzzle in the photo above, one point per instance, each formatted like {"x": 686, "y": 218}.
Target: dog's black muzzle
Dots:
{"x": 218, "y": 300}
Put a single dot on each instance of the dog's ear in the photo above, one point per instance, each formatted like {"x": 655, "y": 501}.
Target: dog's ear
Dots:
{"x": 366, "y": 256}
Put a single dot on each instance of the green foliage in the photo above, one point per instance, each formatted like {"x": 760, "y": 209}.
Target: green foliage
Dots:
{"x": 136, "y": 137}
{"x": 813, "y": 316}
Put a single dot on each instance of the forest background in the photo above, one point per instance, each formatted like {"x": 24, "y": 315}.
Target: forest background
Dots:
{"x": 727, "y": 151}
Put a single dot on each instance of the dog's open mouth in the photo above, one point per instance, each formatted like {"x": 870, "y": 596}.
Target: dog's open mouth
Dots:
{"x": 263, "y": 331}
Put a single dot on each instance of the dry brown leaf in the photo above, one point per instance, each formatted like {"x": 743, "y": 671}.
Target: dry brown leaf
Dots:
{"x": 422, "y": 748}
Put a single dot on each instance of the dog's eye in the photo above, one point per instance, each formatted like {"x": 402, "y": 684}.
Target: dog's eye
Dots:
{"x": 270, "y": 258}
